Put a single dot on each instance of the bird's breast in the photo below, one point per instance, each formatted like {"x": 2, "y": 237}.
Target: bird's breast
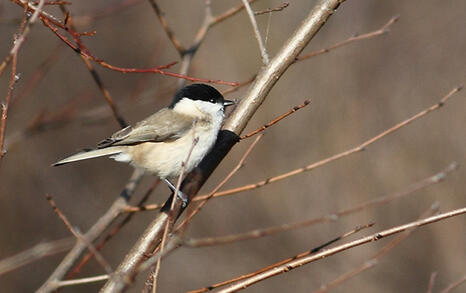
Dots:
{"x": 166, "y": 159}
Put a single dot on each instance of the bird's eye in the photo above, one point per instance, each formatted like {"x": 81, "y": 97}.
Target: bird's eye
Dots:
{"x": 212, "y": 100}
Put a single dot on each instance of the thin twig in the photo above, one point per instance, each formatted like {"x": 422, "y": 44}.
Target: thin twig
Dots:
{"x": 309, "y": 252}
{"x": 433, "y": 275}
{"x": 95, "y": 76}
{"x": 187, "y": 54}
{"x": 35, "y": 253}
{"x": 164, "y": 23}
{"x": 270, "y": 10}
{"x": 82, "y": 281}
{"x": 171, "y": 217}
{"x": 331, "y": 251}
{"x": 257, "y": 34}
{"x": 376, "y": 258}
{"x": 229, "y": 13}
{"x": 26, "y": 28}
{"x": 79, "y": 236}
{"x": 257, "y": 233}
{"x": 93, "y": 233}
{"x": 381, "y": 31}
{"x": 4, "y": 107}
{"x": 157, "y": 70}
{"x": 454, "y": 285}
{"x": 320, "y": 163}
{"x": 114, "y": 231}
{"x": 276, "y": 120}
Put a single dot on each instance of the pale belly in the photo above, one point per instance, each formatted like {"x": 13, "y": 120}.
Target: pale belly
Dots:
{"x": 166, "y": 159}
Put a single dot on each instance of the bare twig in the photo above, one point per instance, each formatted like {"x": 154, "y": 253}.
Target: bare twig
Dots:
{"x": 78, "y": 235}
{"x": 376, "y": 258}
{"x": 97, "y": 79}
{"x": 257, "y": 34}
{"x": 171, "y": 221}
{"x": 82, "y": 50}
{"x": 331, "y": 251}
{"x": 164, "y": 23}
{"x": 93, "y": 233}
{"x": 276, "y": 120}
{"x": 381, "y": 31}
{"x": 82, "y": 281}
{"x": 26, "y": 28}
{"x": 270, "y": 10}
{"x": 229, "y": 13}
{"x": 4, "y": 107}
{"x": 257, "y": 233}
{"x": 431, "y": 282}
{"x": 454, "y": 285}
{"x": 35, "y": 253}
{"x": 309, "y": 252}
{"x": 115, "y": 230}
{"x": 187, "y": 54}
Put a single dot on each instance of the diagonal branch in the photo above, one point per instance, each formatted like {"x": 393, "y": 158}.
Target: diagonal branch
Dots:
{"x": 97, "y": 79}
{"x": 374, "y": 260}
{"x": 92, "y": 234}
{"x": 23, "y": 36}
{"x": 331, "y": 251}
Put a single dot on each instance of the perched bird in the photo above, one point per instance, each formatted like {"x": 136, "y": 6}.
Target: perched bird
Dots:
{"x": 161, "y": 143}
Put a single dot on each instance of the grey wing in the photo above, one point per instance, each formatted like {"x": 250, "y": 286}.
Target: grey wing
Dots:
{"x": 158, "y": 127}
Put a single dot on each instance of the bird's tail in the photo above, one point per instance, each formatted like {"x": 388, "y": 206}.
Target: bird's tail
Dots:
{"x": 89, "y": 154}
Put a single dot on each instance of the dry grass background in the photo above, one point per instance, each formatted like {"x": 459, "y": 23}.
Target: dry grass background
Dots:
{"x": 356, "y": 92}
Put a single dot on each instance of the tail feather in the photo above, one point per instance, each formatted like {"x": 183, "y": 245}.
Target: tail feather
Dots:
{"x": 89, "y": 154}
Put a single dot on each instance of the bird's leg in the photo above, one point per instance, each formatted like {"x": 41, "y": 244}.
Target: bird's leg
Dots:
{"x": 180, "y": 194}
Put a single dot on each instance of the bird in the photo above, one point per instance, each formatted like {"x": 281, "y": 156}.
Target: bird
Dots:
{"x": 162, "y": 143}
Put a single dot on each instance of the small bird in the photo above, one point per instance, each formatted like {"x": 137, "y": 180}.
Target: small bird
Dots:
{"x": 161, "y": 143}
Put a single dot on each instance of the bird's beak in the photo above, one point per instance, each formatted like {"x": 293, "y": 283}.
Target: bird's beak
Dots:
{"x": 227, "y": 103}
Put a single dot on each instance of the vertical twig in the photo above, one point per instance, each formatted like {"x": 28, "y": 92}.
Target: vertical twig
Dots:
{"x": 4, "y": 107}
{"x": 257, "y": 34}
{"x": 431, "y": 282}
{"x": 171, "y": 221}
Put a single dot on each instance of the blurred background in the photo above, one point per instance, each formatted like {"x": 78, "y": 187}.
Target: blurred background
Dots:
{"x": 356, "y": 92}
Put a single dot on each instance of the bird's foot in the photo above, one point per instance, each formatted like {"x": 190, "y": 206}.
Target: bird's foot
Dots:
{"x": 179, "y": 194}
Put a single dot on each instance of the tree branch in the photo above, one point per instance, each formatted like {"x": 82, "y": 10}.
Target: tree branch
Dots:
{"x": 314, "y": 257}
